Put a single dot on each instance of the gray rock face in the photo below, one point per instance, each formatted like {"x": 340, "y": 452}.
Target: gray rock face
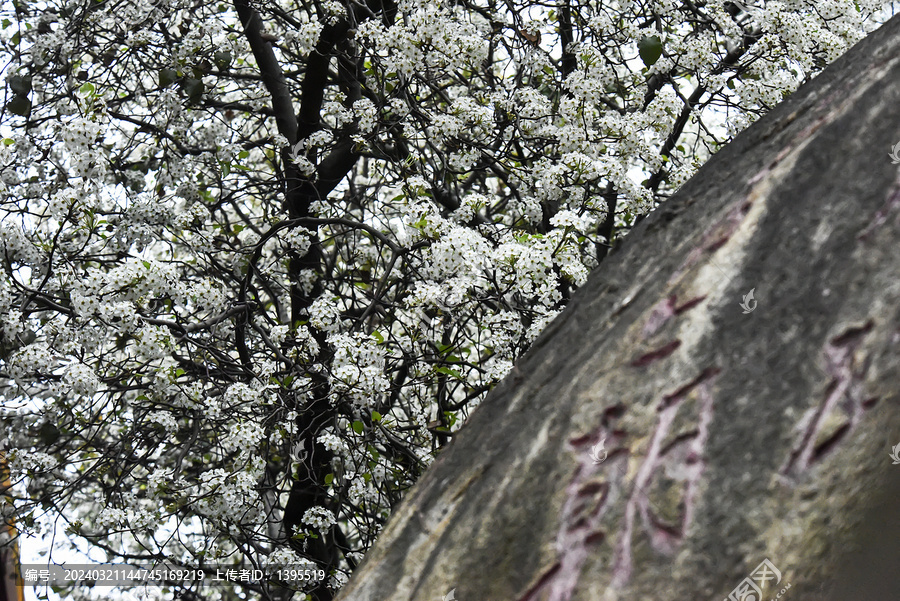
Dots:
{"x": 734, "y": 429}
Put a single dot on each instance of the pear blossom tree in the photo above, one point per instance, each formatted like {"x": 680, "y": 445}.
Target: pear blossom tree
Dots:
{"x": 261, "y": 259}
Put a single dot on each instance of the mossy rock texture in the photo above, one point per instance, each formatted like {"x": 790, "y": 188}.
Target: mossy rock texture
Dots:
{"x": 735, "y": 431}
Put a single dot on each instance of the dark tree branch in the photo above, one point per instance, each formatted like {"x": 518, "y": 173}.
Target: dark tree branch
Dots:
{"x": 569, "y": 61}
{"x": 272, "y": 76}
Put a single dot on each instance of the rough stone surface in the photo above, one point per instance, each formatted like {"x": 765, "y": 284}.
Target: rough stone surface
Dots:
{"x": 729, "y": 437}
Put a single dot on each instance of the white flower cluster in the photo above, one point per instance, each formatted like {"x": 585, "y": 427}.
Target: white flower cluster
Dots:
{"x": 357, "y": 368}
{"x": 143, "y": 210}
{"x": 81, "y": 379}
{"x": 16, "y": 245}
{"x": 131, "y": 518}
{"x": 305, "y": 37}
{"x": 153, "y": 342}
{"x": 277, "y": 334}
{"x": 298, "y": 239}
{"x": 113, "y": 294}
{"x": 241, "y": 395}
{"x": 325, "y": 315}
{"x": 304, "y": 165}
{"x": 469, "y": 207}
{"x": 506, "y": 330}
{"x": 319, "y": 518}
{"x": 6, "y": 300}
{"x": 13, "y": 325}
{"x": 334, "y": 113}
{"x": 566, "y": 218}
{"x": 158, "y": 481}
{"x": 228, "y": 496}
{"x": 285, "y": 557}
{"x": 80, "y": 138}
{"x": 432, "y": 36}
{"x": 334, "y": 10}
{"x": 242, "y": 436}
{"x": 305, "y": 346}
{"x": 332, "y": 442}
{"x": 367, "y": 113}
{"x": 207, "y": 295}
{"x": 34, "y": 358}
{"x": 358, "y": 490}
{"x": 164, "y": 419}
{"x": 65, "y": 201}
{"x": 461, "y": 250}
{"x": 338, "y": 580}
{"x": 22, "y": 463}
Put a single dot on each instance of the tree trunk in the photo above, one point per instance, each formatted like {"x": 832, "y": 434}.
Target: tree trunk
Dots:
{"x": 10, "y": 588}
{"x": 731, "y": 435}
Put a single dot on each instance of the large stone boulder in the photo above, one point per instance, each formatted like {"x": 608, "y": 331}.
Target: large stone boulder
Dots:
{"x": 737, "y": 357}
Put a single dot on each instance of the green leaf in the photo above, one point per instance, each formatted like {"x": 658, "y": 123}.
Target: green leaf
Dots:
{"x": 222, "y": 58}
{"x": 49, "y": 433}
{"x": 8, "y": 141}
{"x": 378, "y": 337}
{"x": 650, "y": 49}
{"x": 19, "y": 105}
{"x": 376, "y": 417}
{"x": 167, "y": 77}
{"x": 179, "y": 372}
{"x": 329, "y": 478}
{"x": 20, "y": 84}
{"x": 449, "y": 372}
{"x": 146, "y": 264}
{"x": 243, "y": 154}
{"x": 193, "y": 88}
{"x": 358, "y": 427}
{"x": 86, "y": 90}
